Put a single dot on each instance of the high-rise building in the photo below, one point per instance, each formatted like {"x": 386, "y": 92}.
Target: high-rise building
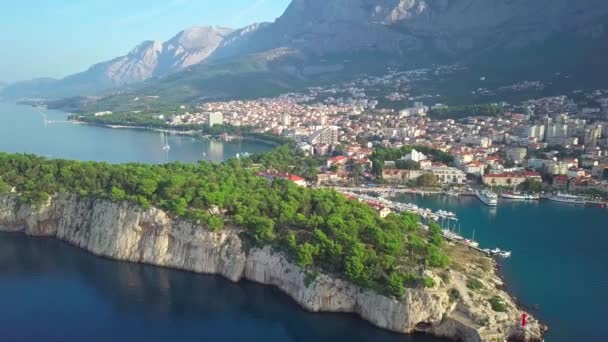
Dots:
{"x": 536, "y": 131}
{"x": 328, "y": 135}
{"x": 214, "y": 118}
{"x": 517, "y": 154}
{"x": 286, "y": 120}
{"x": 592, "y": 135}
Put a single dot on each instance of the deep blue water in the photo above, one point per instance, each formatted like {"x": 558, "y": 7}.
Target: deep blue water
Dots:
{"x": 559, "y": 262}
{"x": 50, "y": 291}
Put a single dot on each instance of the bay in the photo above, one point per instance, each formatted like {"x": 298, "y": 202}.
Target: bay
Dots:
{"x": 50, "y": 291}
{"x": 23, "y": 130}
{"x": 559, "y": 266}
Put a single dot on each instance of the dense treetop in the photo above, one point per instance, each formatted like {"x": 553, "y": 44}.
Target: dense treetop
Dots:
{"x": 319, "y": 229}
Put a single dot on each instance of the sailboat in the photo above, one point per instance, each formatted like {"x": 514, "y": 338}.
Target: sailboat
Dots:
{"x": 166, "y": 146}
{"x": 472, "y": 242}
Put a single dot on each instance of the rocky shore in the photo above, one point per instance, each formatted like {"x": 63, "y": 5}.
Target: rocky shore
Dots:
{"x": 127, "y": 232}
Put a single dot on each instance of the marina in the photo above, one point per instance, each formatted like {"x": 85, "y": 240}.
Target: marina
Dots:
{"x": 447, "y": 220}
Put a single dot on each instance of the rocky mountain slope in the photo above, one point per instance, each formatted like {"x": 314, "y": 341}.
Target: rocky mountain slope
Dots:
{"x": 404, "y": 27}
{"x": 130, "y": 233}
{"x": 149, "y": 59}
{"x": 321, "y": 39}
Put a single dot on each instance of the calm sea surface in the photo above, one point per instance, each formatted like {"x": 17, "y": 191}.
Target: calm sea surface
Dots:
{"x": 23, "y": 130}
{"x": 50, "y": 291}
{"x": 560, "y": 258}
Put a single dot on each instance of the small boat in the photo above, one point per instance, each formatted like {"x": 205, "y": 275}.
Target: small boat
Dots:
{"x": 495, "y": 251}
{"x": 166, "y": 146}
{"x": 505, "y": 254}
{"x": 452, "y": 193}
{"x": 471, "y": 243}
{"x": 487, "y": 197}
{"x": 566, "y": 198}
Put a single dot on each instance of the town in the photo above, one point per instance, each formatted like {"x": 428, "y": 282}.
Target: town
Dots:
{"x": 548, "y": 144}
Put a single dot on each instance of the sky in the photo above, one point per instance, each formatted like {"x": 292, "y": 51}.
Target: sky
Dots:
{"x": 55, "y": 38}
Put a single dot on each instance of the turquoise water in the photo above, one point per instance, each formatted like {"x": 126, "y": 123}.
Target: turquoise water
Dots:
{"x": 559, "y": 266}
{"x": 22, "y": 130}
{"x": 50, "y": 291}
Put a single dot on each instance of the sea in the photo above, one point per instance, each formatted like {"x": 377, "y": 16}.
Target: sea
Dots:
{"x": 559, "y": 263}
{"x": 50, "y": 291}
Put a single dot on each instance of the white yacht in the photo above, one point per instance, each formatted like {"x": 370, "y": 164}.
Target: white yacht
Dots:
{"x": 166, "y": 146}
{"x": 487, "y": 197}
{"x": 565, "y": 198}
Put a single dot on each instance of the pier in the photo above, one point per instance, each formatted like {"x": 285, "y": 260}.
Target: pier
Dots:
{"x": 446, "y": 219}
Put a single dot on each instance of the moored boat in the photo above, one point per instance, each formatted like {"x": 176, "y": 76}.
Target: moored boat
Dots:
{"x": 519, "y": 196}
{"x": 566, "y": 198}
{"x": 487, "y": 197}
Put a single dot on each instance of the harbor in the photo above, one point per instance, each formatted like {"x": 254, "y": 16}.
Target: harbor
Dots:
{"x": 485, "y": 196}
{"x": 448, "y": 221}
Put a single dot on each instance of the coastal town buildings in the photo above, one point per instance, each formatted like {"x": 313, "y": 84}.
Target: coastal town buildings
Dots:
{"x": 510, "y": 179}
{"x": 214, "y": 118}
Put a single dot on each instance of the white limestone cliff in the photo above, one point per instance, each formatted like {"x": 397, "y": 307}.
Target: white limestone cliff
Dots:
{"x": 127, "y": 232}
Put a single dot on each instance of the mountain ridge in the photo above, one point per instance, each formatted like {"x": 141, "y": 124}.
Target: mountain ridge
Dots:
{"x": 147, "y": 60}
{"x": 316, "y": 39}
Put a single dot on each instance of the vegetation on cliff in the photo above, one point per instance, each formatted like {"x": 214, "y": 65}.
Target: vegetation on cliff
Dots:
{"x": 318, "y": 228}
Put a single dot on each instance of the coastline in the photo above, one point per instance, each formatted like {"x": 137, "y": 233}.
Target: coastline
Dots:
{"x": 189, "y": 133}
{"x": 126, "y": 232}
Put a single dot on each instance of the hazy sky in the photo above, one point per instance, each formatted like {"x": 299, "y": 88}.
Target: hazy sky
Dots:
{"x": 54, "y": 38}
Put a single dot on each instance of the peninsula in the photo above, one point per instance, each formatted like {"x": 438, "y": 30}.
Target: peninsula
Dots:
{"x": 327, "y": 252}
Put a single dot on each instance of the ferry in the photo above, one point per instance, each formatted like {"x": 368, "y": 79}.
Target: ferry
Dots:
{"x": 519, "y": 196}
{"x": 565, "y": 198}
{"x": 487, "y": 197}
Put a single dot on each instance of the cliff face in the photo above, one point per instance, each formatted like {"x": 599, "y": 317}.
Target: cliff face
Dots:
{"x": 127, "y": 232}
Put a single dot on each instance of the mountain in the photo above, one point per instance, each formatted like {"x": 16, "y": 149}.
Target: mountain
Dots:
{"x": 404, "y": 27}
{"x": 149, "y": 59}
{"x": 325, "y": 40}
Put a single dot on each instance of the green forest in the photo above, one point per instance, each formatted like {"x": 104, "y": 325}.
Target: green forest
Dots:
{"x": 459, "y": 112}
{"x": 319, "y": 229}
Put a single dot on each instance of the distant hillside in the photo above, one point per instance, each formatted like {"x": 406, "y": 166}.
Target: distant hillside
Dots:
{"x": 147, "y": 60}
{"x": 318, "y": 41}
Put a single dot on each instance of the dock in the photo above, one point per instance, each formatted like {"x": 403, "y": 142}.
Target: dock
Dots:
{"x": 444, "y": 218}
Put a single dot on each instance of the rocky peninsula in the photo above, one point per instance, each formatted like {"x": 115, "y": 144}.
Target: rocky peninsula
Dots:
{"x": 455, "y": 307}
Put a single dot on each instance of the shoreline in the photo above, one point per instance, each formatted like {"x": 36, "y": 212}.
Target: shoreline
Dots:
{"x": 190, "y": 133}
{"x": 115, "y": 227}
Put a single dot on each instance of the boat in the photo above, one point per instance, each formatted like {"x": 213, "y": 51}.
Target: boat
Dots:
{"x": 519, "y": 196}
{"x": 505, "y": 254}
{"x": 166, "y": 146}
{"x": 487, "y": 197}
{"x": 471, "y": 243}
{"x": 566, "y": 198}
{"x": 452, "y": 193}
{"x": 495, "y": 251}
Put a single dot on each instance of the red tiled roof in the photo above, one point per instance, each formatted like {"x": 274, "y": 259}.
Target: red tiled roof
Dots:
{"x": 528, "y": 174}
